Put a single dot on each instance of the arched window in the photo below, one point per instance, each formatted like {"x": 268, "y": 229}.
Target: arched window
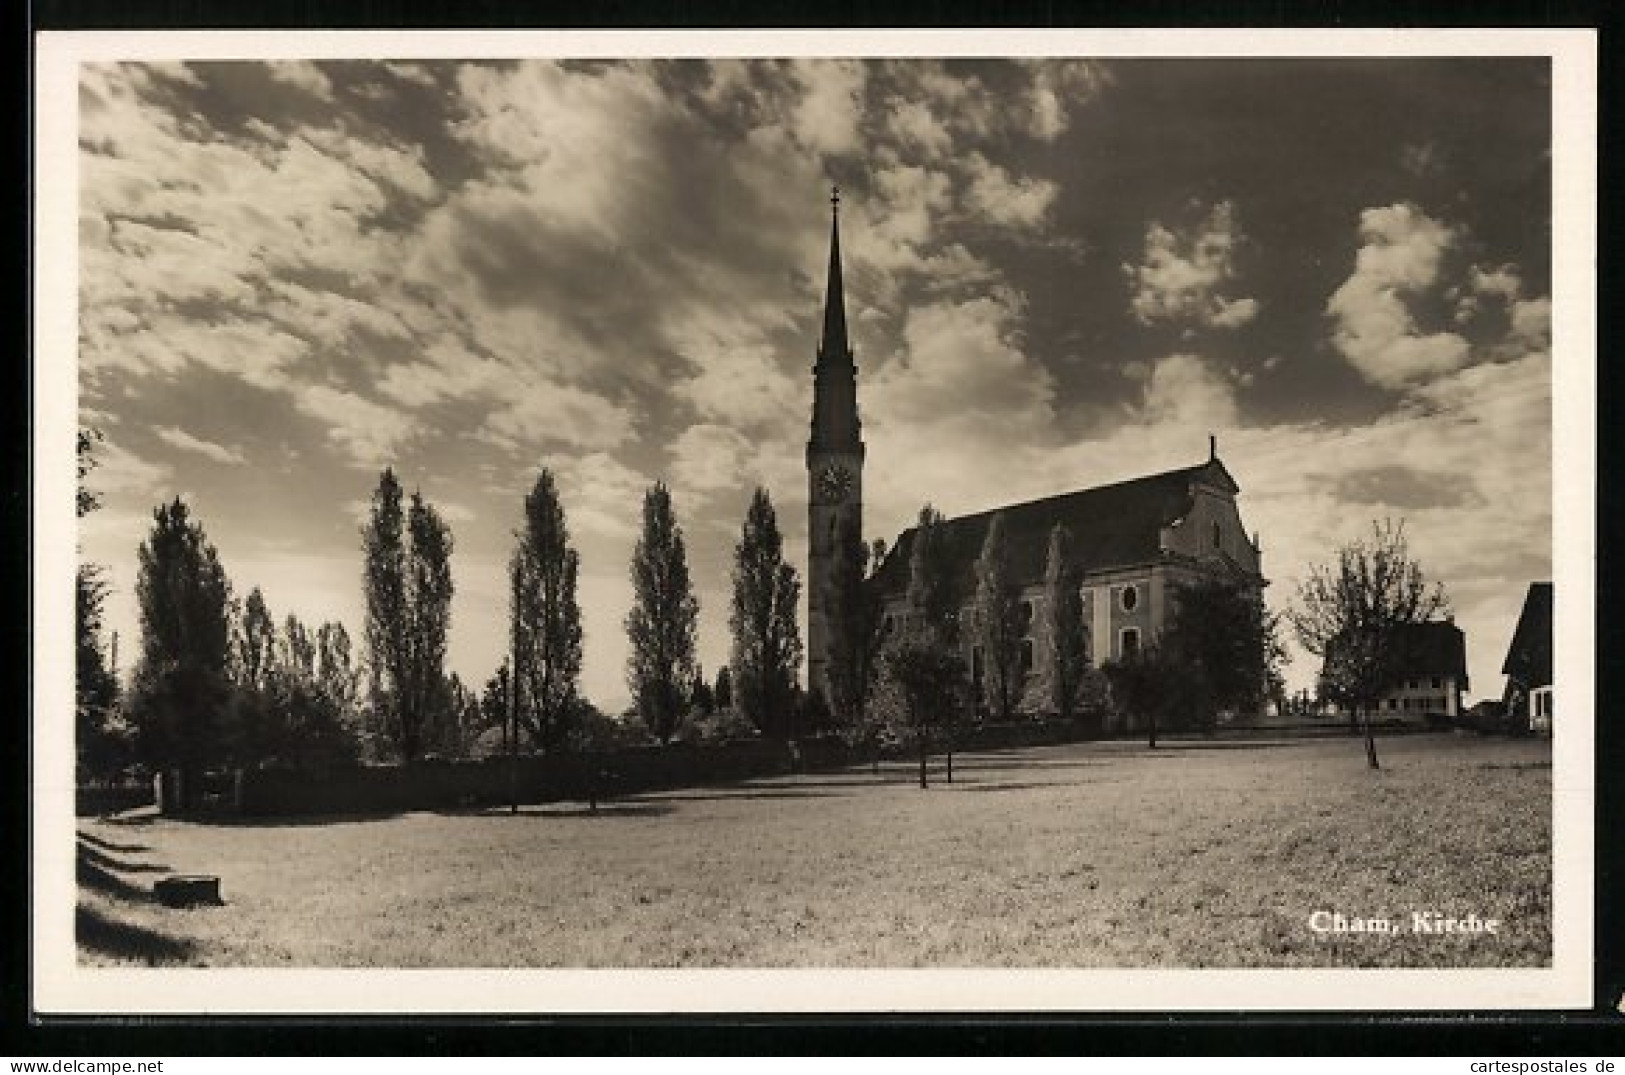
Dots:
{"x": 1218, "y": 536}
{"x": 1130, "y": 598}
{"x": 1026, "y": 656}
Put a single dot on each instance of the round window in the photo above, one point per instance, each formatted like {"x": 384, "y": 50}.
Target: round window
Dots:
{"x": 1131, "y": 598}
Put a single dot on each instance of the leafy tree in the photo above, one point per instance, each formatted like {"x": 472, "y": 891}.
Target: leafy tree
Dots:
{"x": 1065, "y": 632}
{"x": 430, "y": 591}
{"x": 253, "y": 643}
{"x": 181, "y": 681}
{"x": 335, "y": 665}
{"x": 494, "y": 701}
{"x": 723, "y": 692}
{"x": 1221, "y": 643}
{"x": 766, "y": 638}
{"x": 661, "y": 623}
{"x": 384, "y": 582}
{"x": 856, "y": 613}
{"x": 700, "y": 695}
{"x": 925, "y": 670}
{"x": 999, "y": 627}
{"x": 1147, "y": 685}
{"x": 1347, "y": 614}
{"x": 99, "y": 737}
{"x": 545, "y": 620}
{"x": 408, "y": 590}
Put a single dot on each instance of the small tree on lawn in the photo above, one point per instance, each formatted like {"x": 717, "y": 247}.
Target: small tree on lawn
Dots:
{"x": 661, "y": 624}
{"x": 999, "y": 629}
{"x": 766, "y": 638}
{"x": 1143, "y": 684}
{"x": 1347, "y": 614}
{"x": 923, "y": 664}
{"x": 1065, "y": 633}
{"x": 545, "y": 620}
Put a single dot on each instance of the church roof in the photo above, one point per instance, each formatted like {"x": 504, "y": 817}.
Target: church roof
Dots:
{"x": 1112, "y": 526}
{"x": 1529, "y": 657}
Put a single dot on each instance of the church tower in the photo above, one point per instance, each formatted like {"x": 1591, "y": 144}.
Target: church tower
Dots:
{"x": 834, "y": 456}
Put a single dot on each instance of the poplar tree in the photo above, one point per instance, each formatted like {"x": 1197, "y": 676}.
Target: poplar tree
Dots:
{"x": 661, "y": 624}
{"x": 408, "y": 589}
{"x": 181, "y": 679}
{"x": 999, "y": 626}
{"x": 1065, "y": 632}
{"x": 545, "y": 618}
{"x": 766, "y": 637}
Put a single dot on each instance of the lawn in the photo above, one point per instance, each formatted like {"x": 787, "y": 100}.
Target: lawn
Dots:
{"x": 1197, "y": 854}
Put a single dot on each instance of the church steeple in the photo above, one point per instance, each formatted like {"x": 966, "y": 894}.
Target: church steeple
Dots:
{"x": 833, "y": 348}
{"x": 835, "y": 424}
{"x": 834, "y": 461}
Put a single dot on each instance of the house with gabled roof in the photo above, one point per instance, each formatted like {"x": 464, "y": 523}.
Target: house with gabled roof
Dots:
{"x": 1528, "y": 665}
{"x": 1429, "y": 674}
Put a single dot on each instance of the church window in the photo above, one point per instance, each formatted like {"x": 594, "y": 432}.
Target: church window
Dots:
{"x": 1026, "y": 616}
{"x": 1218, "y": 537}
{"x": 1128, "y": 643}
{"x": 887, "y": 625}
{"x": 1130, "y": 598}
{"x": 1084, "y": 645}
{"x": 1026, "y": 656}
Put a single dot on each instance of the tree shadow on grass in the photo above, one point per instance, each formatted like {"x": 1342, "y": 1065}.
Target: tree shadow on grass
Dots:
{"x": 289, "y": 821}
{"x": 96, "y": 932}
{"x": 94, "y": 878}
{"x": 1030, "y": 785}
{"x": 91, "y": 856}
{"x": 109, "y": 845}
{"x": 1176, "y": 747}
{"x": 608, "y": 808}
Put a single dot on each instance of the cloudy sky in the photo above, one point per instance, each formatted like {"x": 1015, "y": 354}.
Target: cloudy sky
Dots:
{"x": 1059, "y": 273}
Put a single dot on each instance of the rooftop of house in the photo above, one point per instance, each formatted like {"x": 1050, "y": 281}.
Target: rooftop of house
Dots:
{"x": 1529, "y": 656}
{"x": 1434, "y": 648}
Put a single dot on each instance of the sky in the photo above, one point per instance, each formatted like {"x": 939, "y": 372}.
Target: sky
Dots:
{"x": 1059, "y": 273}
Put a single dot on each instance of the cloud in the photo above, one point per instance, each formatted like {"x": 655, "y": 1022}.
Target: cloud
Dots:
{"x": 1181, "y": 274}
{"x": 1396, "y": 485}
{"x": 183, "y": 440}
{"x": 1057, "y": 87}
{"x": 553, "y": 415}
{"x": 826, "y": 118}
{"x": 1012, "y": 202}
{"x": 370, "y": 433}
{"x": 1182, "y": 391}
{"x": 304, "y": 75}
{"x": 1374, "y": 328}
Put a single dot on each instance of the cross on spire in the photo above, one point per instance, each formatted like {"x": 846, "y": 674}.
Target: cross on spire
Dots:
{"x": 835, "y": 199}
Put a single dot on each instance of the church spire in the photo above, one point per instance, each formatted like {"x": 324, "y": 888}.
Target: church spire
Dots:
{"x": 833, "y": 347}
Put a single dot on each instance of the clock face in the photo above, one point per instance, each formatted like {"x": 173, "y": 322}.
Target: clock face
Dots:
{"x": 834, "y": 481}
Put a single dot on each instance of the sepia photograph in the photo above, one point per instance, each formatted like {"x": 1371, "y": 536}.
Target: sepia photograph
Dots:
{"x": 951, "y": 521}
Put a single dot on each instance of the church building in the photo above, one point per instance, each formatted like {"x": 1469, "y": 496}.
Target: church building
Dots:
{"x": 1136, "y": 540}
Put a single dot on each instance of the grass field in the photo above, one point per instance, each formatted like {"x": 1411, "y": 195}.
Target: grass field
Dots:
{"x": 1197, "y": 854}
